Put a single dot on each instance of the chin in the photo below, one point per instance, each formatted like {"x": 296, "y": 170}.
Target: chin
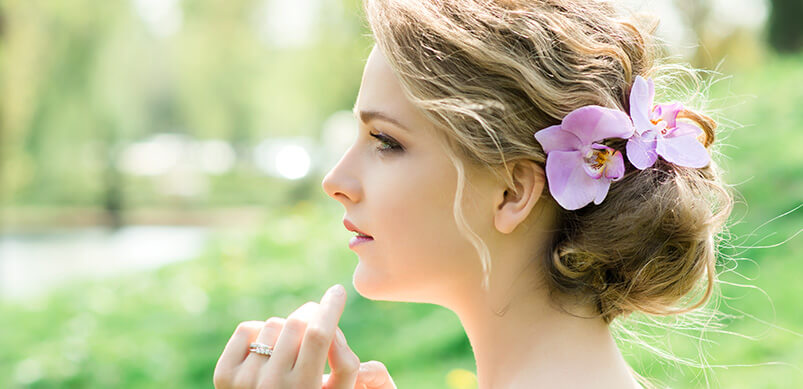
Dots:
{"x": 369, "y": 284}
{"x": 375, "y": 286}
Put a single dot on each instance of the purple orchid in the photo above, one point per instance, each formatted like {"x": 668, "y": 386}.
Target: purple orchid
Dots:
{"x": 657, "y": 131}
{"x": 578, "y": 169}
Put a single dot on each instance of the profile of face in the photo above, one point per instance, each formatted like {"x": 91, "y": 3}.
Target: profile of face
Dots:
{"x": 398, "y": 186}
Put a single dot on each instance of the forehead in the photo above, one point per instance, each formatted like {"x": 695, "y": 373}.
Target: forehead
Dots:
{"x": 381, "y": 91}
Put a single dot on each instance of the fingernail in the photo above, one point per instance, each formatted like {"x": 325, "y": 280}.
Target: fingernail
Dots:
{"x": 337, "y": 290}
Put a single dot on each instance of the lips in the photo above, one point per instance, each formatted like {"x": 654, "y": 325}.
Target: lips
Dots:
{"x": 361, "y": 237}
{"x": 351, "y": 227}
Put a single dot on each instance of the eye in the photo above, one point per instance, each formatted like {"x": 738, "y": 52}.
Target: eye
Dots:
{"x": 387, "y": 144}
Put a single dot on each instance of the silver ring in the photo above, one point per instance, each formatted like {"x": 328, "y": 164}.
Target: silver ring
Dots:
{"x": 261, "y": 348}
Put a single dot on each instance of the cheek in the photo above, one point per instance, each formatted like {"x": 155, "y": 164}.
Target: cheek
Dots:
{"x": 421, "y": 243}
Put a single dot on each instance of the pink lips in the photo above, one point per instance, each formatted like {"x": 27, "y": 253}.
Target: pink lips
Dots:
{"x": 359, "y": 239}
{"x": 356, "y": 240}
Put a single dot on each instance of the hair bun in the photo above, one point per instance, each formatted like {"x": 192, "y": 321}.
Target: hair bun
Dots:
{"x": 646, "y": 247}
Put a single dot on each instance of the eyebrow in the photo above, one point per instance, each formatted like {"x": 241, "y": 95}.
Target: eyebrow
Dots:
{"x": 366, "y": 116}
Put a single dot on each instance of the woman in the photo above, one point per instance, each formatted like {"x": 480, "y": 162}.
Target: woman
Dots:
{"x": 487, "y": 130}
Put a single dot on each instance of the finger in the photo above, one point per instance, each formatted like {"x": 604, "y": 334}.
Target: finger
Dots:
{"x": 344, "y": 364}
{"x": 320, "y": 333}
{"x": 374, "y": 375}
{"x": 236, "y": 349}
{"x": 288, "y": 343}
{"x": 269, "y": 332}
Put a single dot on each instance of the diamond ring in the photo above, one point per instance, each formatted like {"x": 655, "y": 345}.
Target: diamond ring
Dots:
{"x": 261, "y": 348}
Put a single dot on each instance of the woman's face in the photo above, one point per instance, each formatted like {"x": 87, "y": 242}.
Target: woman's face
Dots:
{"x": 398, "y": 186}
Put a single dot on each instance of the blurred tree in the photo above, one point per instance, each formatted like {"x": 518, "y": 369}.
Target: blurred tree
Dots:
{"x": 785, "y": 27}
{"x": 82, "y": 79}
{"x": 113, "y": 194}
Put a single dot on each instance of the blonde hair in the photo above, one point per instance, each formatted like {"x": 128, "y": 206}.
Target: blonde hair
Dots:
{"x": 492, "y": 73}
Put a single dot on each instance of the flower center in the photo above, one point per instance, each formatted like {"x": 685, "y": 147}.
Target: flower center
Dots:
{"x": 661, "y": 125}
{"x": 597, "y": 158}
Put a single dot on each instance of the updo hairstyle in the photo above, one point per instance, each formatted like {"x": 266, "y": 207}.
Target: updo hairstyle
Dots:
{"x": 491, "y": 73}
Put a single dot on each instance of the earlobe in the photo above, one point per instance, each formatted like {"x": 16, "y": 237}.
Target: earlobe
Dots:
{"x": 515, "y": 204}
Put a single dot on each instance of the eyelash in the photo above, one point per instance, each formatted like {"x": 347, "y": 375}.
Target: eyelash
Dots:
{"x": 393, "y": 146}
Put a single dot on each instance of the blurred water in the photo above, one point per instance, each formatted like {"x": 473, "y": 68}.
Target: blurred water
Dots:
{"x": 34, "y": 263}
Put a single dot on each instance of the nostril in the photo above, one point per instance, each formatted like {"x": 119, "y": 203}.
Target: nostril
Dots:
{"x": 340, "y": 196}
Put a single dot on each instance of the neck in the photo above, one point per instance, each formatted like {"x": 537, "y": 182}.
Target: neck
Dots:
{"x": 535, "y": 344}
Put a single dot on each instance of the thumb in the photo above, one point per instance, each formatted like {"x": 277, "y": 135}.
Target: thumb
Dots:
{"x": 343, "y": 364}
{"x": 374, "y": 375}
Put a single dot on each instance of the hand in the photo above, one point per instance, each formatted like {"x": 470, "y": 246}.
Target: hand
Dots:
{"x": 302, "y": 343}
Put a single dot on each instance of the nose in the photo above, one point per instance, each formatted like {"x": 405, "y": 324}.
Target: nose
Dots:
{"x": 342, "y": 182}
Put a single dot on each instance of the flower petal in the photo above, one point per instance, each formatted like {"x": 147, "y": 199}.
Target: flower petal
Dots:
{"x": 641, "y": 95}
{"x": 686, "y": 129}
{"x": 593, "y": 123}
{"x": 554, "y": 138}
{"x": 668, "y": 112}
{"x": 560, "y": 165}
{"x": 602, "y": 190}
{"x": 568, "y": 182}
{"x": 641, "y": 150}
{"x": 683, "y": 150}
{"x": 615, "y": 168}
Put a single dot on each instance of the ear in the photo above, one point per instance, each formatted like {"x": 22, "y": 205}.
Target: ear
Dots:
{"x": 513, "y": 206}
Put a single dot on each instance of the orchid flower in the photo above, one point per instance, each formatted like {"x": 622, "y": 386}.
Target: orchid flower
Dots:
{"x": 578, "y": 169}
{"x": 657, "y": 131}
